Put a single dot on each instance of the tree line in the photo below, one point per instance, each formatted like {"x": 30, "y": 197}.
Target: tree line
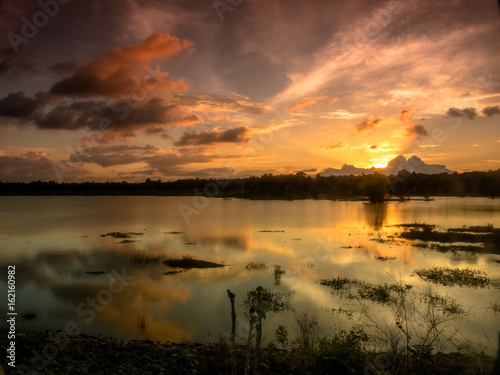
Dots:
{"x": 374, "y": 187}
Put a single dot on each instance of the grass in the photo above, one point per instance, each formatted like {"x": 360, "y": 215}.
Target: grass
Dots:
{"x": 278, "y": 273}
{"x": 424, "y": 232}
{"x": 495, "y": 307}
{"x": 94, "y": 273}
{"x": 144, "y": 258}
{"x": 379, "y": 293}
{"x": 344, "y": 352}
{"x": 455, "y": 276}
{"x": 422, "y": 226}
{"x": 256, "y": 266}
{"x": 339, "y": 283}
{"x": 188, "y": 262}
{"x": 28, "y": 315}
{"x": 122, "y": 234}
{"x": 385, "y": 258}
{"x": 174, "y": 272}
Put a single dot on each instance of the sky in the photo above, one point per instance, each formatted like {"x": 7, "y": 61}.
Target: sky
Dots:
{"x": 167, "y": 89}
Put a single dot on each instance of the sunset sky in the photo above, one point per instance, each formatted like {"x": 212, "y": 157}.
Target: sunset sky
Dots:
{"x": 167, "y": 89}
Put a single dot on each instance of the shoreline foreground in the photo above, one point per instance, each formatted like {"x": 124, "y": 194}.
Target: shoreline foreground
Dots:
{"x": 51, "y": 353}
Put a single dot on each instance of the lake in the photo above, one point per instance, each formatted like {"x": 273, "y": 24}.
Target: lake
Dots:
{"x": 64, "y": 263}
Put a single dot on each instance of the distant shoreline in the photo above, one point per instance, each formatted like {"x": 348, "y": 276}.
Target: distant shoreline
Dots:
{"x": 373, "y": 187}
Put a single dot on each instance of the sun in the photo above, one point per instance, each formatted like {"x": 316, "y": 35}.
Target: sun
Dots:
{"x": 380, "y": 163}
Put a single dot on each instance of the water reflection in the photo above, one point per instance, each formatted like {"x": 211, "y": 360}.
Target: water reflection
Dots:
{"x": 376, "y": 215}
{"x": 54, "y": 253}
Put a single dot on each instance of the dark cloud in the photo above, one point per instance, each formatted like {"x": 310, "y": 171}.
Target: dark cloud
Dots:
{"x": 63, "y": 67}
{"x": 125, "y": 118}
{"x": 158, "y": 161}
{"x": 234, "y": 135}
{"x": 118, "y": 72}
{"x": 468, "y": 113}
{"x": 491, "y": 111}
{"x": 170, "y": 162}
{"x": 367, "y": 125}
{"x": 412, "y": 128}
{"x": 12, "y": 63}
{"x": 33, "y": 166}
{"x": 18, "y": 105}
{"x": 114, "y": 155}
{"x": 416, "y": 129}
{"x": 373, "y": 147}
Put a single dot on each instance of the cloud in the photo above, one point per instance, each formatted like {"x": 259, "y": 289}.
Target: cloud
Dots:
{"x": 373, "y": 147}
{"x": 416, "y": 129}
{"x": 491, "y": 111}
{"x": 118, "y": 72}
{"x": 120, "y": 117}
{"x": 218, "y": 103}
{"x": 405, "y": 115}
{"x": 18, "y": 105}
{"x": 63, "y": 67}
{"x": 274, "y": 125}
{"x": 468, "y": 113}
{"x": 171, "y": 161}
{"x": 235, "y": 135}
{"x": 115, "y": 155}
{"x": 412, "y": 128}
{"x": 12, "y": 63}
{"x": 336, "y": 146}
{"x": 305, "y": 103}
{"x": 367, "y": 125}
{"x": 155, "y": 160}
{"x": 33, "y": 166}
{"x": 341, "y": 114}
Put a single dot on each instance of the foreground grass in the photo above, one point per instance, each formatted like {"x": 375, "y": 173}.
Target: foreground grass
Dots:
{"x": 344, "y": 353}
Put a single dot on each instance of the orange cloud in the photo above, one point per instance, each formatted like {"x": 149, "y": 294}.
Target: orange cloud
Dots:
{"x": 118, "y": 72}
{"x": 336, "y": 146}
{"x": 305, "y": 103}
{"x": 368, "y": 125}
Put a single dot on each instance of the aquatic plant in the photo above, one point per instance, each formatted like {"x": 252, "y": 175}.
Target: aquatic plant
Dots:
{"x": 188, "y": 262}
{"x": 454, "y": 276}
{"x": 278, "y": 274}
{"x": 256, "y": 266}
{"x": 122, "y": 234}
{"x": 143, "y": 258}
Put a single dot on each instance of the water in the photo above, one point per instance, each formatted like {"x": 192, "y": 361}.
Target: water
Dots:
{"x": 54, "y": 241}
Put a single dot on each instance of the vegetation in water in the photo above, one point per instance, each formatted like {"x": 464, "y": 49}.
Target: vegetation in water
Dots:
{"x": 455, "y": 276}
{"x": 143, "y": 258}
{"x": 188, "y": 262}
{"x": 122, "y": 234}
